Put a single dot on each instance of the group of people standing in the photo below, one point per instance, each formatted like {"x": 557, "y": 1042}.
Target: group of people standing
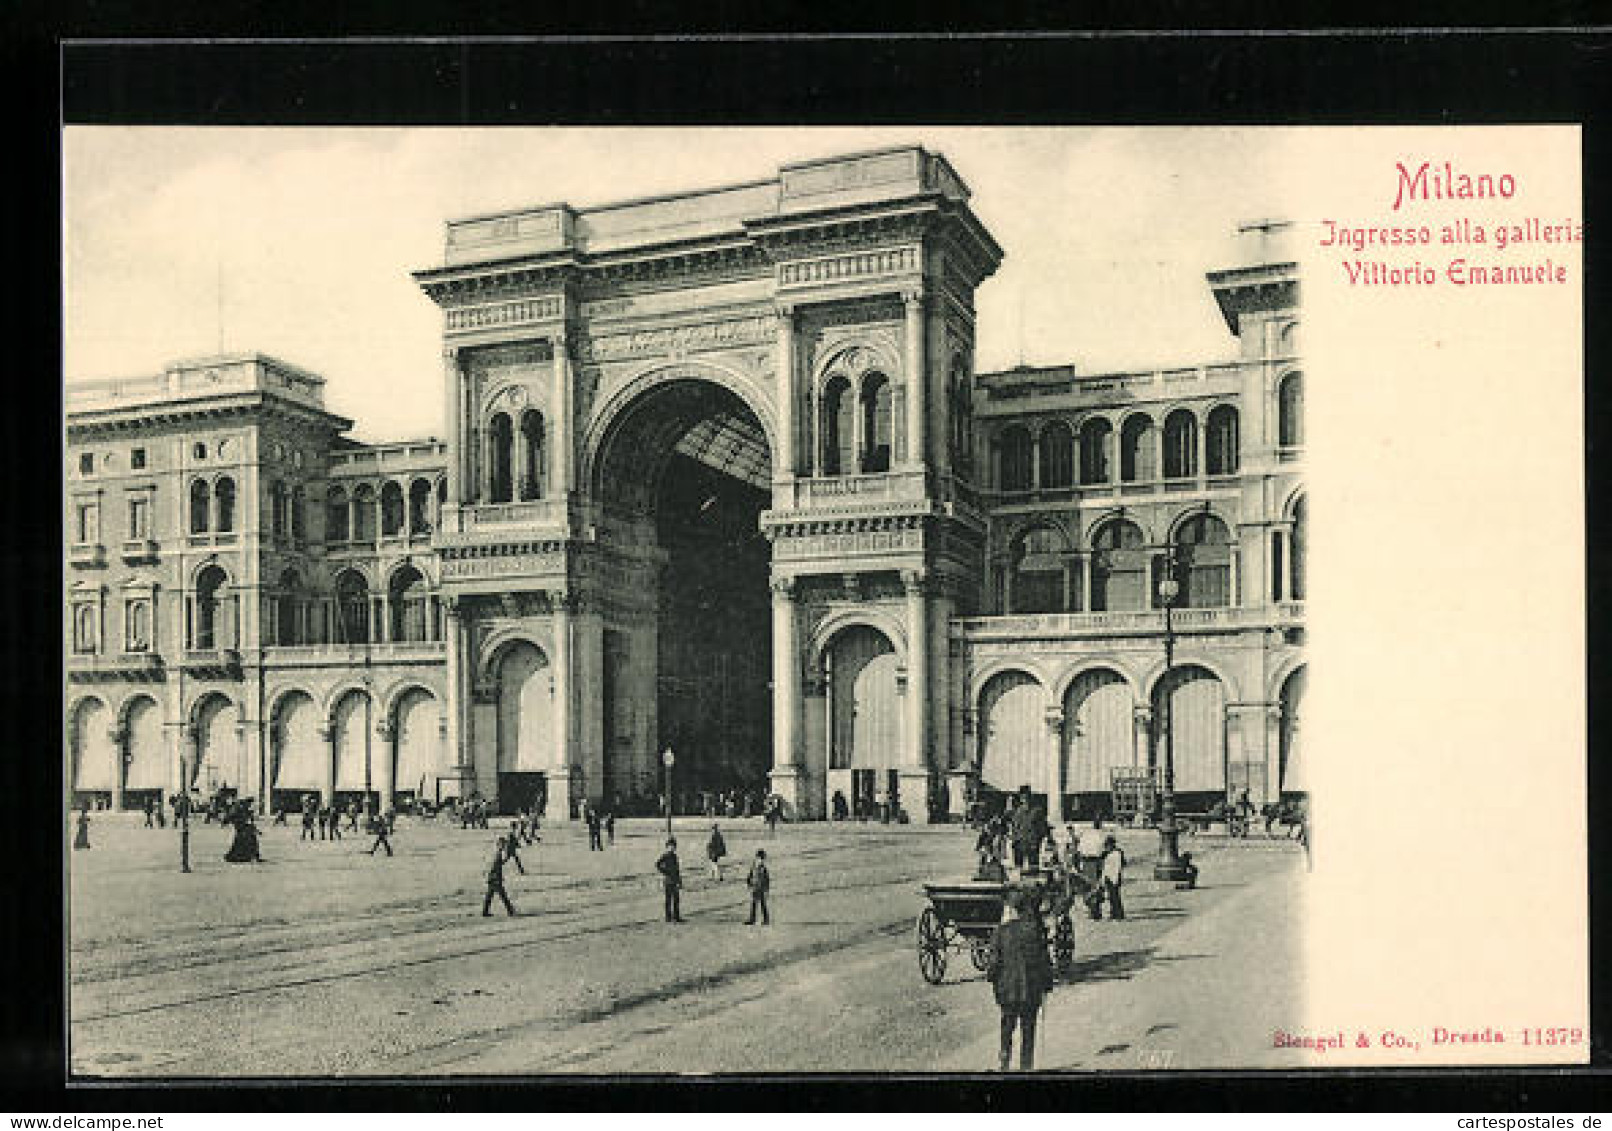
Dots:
{"x": 758, "y": 880}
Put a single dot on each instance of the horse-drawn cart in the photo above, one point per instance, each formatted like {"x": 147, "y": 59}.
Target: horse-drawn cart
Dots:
{"x": 962, "y": 915}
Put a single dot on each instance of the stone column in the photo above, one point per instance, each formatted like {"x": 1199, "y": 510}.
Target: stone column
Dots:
{"x": 456, "y": 731}
{"x": 787, "y": 438}
{"x": 561, "y": 454}
{"x": 120, "y": 762}
{"x": 786, "y": 695}
{"x": 386, "y": 775}
{"x": 560, "y": 779}
{"x": 917, "y": 379}
{"x": 915, "y": 758}
{"x": 249, "y": 742}
{"x": 452, "y": 425}
{"x": 1056, "y": 786}
{"x": 327, "y": 785}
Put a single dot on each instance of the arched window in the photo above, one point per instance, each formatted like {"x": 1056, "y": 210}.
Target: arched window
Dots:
{"x": 532, "y": 469}
{"x": 224, "y": 498}
{"x": 1180, "y": 445}
{"x": 1290, "y": 411}
{"x": 962, "y": 420}
{"x": 278, "y": 506}
{"x": 1039, "y": 555}
{"x": 1221, "y": 440}
{"x": 1096, "y": 451}
{"x": 1138, "y": 456}
{"x": 876, "y": 397}
{"x": 837, "y": 427}
{"x": 420, "y": 507}
{"x": 1118, "y": 567}
{"x": 288, "y": 610}
{"x": 410, "y": 599}
{"x": 85, "y": 638}
{"x": 391, "y": 509}
{"x": 209, "y": 601}
{"x": 299, "y": 516}
{"x": 1203, "y": 563}
{"x": 137, "y": 626}
{"x": 352, "y": 609}
{"x": 336, "y": 515}
{"x": 364, "y": 513}
{"x": 200, "y": 505}
{"x": 500, "y": 445}
{"x": 1296, "y": 555}
{"x": 1057, "y": 455}
{"x": 1013, "y": 473}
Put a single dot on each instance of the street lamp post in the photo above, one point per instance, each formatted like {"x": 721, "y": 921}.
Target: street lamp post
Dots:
{"x": 668, "y": 759}
{"x": 1169, "y": 865}
{"x": 183, "y": 813}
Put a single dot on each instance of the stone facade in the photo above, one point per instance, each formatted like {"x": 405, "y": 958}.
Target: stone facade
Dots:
{"x": 720, "y": 476}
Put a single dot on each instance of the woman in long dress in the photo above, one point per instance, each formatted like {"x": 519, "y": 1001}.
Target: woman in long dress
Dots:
{"x": 244, "y": 848}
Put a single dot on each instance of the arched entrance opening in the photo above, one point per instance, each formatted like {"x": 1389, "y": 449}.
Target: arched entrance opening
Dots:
{"x": 147, "y": 776}
{"x": 1292, "y": 779}
{"x": 218, "y": 748}
{"x": 418, "y": 721}
{"x": 94, "y": 759}
{"x": 351, "y": 726}
{"x": 525, "y": 726}
{"x": 298, "y": 753}
{"x": 1190, "y": 703}
{"x": 1099, "y": 738}
{"x": 864, "y": 720}
{"x": 1013, "y": 740}
{"x": 686, "y": 470}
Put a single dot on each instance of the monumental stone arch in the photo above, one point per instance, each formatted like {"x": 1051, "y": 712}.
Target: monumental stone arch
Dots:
{"x": 682, "y": 433}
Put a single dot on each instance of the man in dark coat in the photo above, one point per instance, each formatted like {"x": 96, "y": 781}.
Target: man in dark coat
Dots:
{"x": 595, "y": 843}
{"x": 1021, "y": 975}
{"x": 495, "y": 882}
{"x": 382, "y": 829}
{"x": 759, "y": 881}
{"x": 671, "y": 875}
{"x": 151, "y": 814}
{"x": 308, "y": 816}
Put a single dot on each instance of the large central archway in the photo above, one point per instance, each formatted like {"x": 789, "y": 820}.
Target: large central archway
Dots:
{"x": 687, "y": 466}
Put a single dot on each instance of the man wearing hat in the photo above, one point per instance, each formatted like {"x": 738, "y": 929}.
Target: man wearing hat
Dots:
{"x": 1021, "y": 975}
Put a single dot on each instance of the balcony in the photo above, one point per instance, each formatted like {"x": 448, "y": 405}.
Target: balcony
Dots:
{"x": 356, "y": 655}
{"x": 1141, "y": 622}
{"x": 838, "y": 490}
{"x": 86, "y": 555}
{"x": 138, "y": 550}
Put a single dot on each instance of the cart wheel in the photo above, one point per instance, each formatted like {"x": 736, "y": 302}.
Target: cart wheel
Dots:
{"x": 931, "y": 947}
{"x": 979, "y": 950}
{"x": 1063, "y": 946}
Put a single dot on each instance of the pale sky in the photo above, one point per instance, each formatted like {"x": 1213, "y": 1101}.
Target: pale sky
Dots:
{"x": 312, "y": 234}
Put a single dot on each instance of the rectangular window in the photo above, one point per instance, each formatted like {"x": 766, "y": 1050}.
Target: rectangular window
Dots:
{"x": 86, "y": 463}
{"x": 139, "y": 517}
{"x": 137, "y": 459}
{"x": 88, "y": 529}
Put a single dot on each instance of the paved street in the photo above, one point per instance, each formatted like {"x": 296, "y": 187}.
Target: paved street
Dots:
{"x": 327, "y": 961}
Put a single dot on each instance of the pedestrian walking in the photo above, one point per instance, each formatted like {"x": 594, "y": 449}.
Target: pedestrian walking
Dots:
{"x": 352, "y": 817}
{"x": 243, "y": 848}
{"x": 495, "y": 882}
{"x": 1021, "y": 976}
{"x": 335, "y": 821}
{"x": 715, "y": 849}
{"x": 1189, "y": 879}
{"x": 759, "y": 881}
{"x": 610, "y": 825}
{"x": 307, "y": 821}
{"x": 1113, "y": 877}
{"x": 162, "y": 813}
{"x": 280, "y": 815}
{"x": 81, "y": 839}
{"x": 774, "y": 813}
{"x": 151, "y": 814}
{"x": 511, "y": 852}
{"x": 591, "y": 815}
{"x": 671, "y": 875}
{"x": 382, "y": 829}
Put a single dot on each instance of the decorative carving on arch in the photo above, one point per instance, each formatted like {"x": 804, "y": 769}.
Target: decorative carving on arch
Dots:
{"x": 871, "y": 351}
{"x": 755, "y": 393}
{"x": 491, "y": 652}
{"x": 982, "y": 678}
{"x": 832, "y": 624}
{"x": 1155, "y": 672}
